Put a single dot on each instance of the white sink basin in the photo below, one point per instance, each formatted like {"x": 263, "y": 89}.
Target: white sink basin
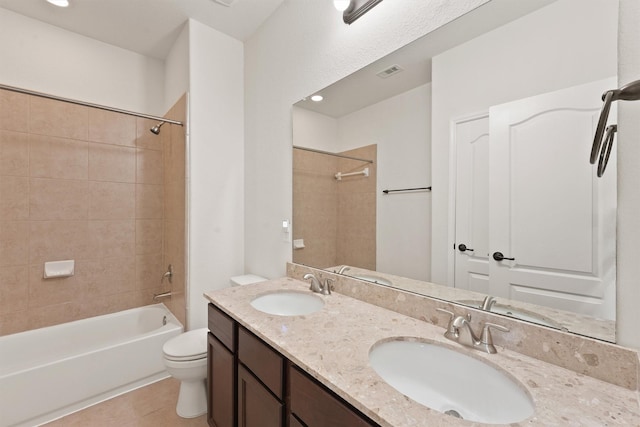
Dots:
{"x": 451, "y": 382}
{"x": 288, "y": 303}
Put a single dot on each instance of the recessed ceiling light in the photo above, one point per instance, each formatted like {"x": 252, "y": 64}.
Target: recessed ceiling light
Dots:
{"x": 59, "y": 3}
{"x": 341, "y": 5}
{"x": 317, "y": 98}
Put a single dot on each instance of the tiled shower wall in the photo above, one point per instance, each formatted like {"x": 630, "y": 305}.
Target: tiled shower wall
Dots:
{"x": 84, "y": 184}
{"x": 174, "y": 144}
{"x": 357, "y": 210}
{"x": 336, "y": 219}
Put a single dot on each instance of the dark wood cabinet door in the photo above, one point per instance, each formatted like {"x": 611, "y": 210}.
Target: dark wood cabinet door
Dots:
{"x": 316, "y": 407}
{"x": 220, "y": 385}
{"x": 257, "y": 407}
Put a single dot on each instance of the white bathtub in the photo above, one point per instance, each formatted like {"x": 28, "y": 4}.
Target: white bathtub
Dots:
{"x": 51, "y": 372}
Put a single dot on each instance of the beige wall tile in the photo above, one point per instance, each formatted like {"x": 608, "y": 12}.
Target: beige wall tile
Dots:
{"x": 51, "y": 199}
{"x": 149, "y": 271}
{"x": 111, "y": 200}
{"x": 58, "y": 240}
{"x": 149, "y": 201}
{"x": 46, "y": 292}
{"x": 14, "y": 153}
{"x": 14, "y": 243}
{"x": 112, "y": 163}
{"x": 144, "y": 137}
{"x": 148, "y": 236}
{"x": 58, "y": 158}
{"x": 14, "y": 198}
{"x": 108, "y": 276}
{"x": 174, "y": 155}
{"x": 49, "y": 315}
{"x": 57, "y": 118}
{"x": 14, "y": 111}
{"x": 149, "y": 167}
{"x": 174, "y": 201}
{"x": 13, "y": 323}
{"x": 174, "y": 243}
{"x": 112, "y": 128}
{"x": 14, "y": 289}
{"x": 112, "y": 239}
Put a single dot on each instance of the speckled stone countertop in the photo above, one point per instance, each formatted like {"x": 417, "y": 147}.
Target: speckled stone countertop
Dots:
{"x": 333, "y": 345}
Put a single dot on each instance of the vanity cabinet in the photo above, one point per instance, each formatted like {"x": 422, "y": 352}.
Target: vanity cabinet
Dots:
{"x": 252, "y": 385}
{"x": 221, "y": 369}
{"x": 315, "y": 406}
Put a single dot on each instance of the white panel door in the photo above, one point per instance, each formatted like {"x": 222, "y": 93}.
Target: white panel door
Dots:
{"x": 548, "y": 209}
{"x": 472, "y": 204}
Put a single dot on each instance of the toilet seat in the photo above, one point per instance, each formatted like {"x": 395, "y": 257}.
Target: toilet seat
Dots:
{"x": 188, "y": 346}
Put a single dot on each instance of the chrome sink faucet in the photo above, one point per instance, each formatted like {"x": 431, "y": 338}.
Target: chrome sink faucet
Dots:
{"x": 459, "y": 330}
{"x": 317, "y": 286}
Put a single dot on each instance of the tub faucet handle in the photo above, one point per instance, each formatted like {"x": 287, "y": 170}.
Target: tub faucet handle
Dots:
{"x": 168, "y": 274}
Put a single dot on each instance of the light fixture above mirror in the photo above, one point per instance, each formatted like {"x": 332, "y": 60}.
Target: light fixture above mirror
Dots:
{"x": 354, "y": 9}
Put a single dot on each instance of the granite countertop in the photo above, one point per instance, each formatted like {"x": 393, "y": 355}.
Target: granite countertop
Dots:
{"x": 333, "y": 344}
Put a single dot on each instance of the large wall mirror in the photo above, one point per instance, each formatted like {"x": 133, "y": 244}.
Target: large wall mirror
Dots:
{"x": 457, "y": 166}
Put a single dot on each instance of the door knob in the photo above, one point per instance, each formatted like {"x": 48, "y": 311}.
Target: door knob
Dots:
{"x": 498, "y": 256}
{"x": 462, "y": 247}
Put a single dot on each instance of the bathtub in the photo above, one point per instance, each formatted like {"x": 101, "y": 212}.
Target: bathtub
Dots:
{"x": 51, "y": 372}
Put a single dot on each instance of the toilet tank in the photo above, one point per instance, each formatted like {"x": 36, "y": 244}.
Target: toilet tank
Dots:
{"x": 246, "y": 279}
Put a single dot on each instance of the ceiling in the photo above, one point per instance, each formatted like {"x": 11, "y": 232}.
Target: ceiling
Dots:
{"x": 148, "y": 27}
{"x": 365, "y": 87}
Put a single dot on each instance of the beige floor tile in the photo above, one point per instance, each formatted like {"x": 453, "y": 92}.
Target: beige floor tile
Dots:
{"x": 150, "y": 406}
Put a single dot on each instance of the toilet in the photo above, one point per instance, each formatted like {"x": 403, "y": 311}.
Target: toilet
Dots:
{"x": 185, "y": 358}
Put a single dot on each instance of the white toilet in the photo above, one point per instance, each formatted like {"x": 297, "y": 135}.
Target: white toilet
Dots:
{"x": 185, "y": 357}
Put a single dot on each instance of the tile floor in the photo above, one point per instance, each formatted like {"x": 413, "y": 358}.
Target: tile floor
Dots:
{"x": 150, "y": 406}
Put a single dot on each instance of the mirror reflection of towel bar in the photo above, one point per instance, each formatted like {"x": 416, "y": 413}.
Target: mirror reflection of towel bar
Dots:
{"x": 341, "y": 175}
{"x": 407, "y": 189}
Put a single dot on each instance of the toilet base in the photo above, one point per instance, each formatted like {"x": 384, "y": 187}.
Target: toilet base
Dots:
{"x": 192, "y": 400}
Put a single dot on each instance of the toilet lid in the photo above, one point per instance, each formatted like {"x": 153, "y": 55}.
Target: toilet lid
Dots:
{"x": 187, "y": 346}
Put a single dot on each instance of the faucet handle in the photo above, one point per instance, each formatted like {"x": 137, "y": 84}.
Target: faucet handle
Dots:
{"x": 450, "y": 313}
{"x": 487, "y": 340}
{"x": 326, "y": 289}
{"x": 452, "y": 316}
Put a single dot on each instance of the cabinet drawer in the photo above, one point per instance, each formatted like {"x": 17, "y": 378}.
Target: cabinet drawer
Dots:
{"x": 222, "y": 327}
{"x": 316, "y": 407}
{"x": 263, "y": 361}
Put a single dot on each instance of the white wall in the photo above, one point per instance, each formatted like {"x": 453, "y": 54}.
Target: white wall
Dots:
{"x": 176, "y": 69}
{"x": 315, "y": 130}
{"x": 532, "y": 55}
{"x": 401, "y": 127}
{"x": 216, "y": 156}
{"x": 45, "y": 58}
{"x": 628, "y": 285}
{"x": 303, "y": 47}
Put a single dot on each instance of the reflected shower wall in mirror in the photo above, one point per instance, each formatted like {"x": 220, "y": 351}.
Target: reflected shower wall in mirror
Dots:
{"x": 507, "y": 94}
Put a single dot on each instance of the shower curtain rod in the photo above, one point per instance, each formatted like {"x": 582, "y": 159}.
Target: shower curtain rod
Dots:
{"x": 313, "y": 150}
{"x": 88, "y": 104}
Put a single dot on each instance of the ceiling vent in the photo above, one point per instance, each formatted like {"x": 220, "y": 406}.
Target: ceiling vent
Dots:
{"x": 225, "y": 2}
{"x": 394, "y": 69}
